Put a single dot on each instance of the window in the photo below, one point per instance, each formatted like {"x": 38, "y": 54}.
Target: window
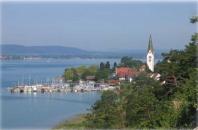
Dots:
{"x": 150, "y": 58}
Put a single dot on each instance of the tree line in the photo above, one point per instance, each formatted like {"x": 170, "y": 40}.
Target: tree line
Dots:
{"x": 103, "y": 71}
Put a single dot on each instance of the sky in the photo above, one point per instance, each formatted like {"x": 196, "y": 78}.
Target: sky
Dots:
{"x": 98, "y": 26}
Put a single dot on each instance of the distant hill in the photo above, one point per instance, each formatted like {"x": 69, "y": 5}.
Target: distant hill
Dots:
{"x": 20, "y": 50}
{"x": 12, "y": 49}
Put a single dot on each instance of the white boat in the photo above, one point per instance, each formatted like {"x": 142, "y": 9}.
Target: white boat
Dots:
{"x": 34, "y": 88}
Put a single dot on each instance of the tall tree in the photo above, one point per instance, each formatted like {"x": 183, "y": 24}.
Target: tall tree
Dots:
{"x": 107, "y": 65}
{"x": 102, "y": 66}
{"x": 114, "y": 66}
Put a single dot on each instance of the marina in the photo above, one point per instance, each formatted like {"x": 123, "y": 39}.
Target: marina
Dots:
{"x": 81, "y": 86}
{"x": 41, "y": 110}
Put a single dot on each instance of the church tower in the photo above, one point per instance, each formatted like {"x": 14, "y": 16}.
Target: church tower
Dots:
{"x": 150, "y": 55}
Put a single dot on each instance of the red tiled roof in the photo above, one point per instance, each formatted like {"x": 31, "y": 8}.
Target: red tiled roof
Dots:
{"x": 126, "y": 72}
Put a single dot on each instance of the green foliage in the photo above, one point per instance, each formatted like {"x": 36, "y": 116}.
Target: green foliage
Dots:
{"x": 106, "y": 113}
{"x": 146, "y": 103}
{"x": 143, "y": 105}
{"x": 188, "y": 93}
{"x": 102, "y": 66}
{"x": 74, "y": 123}
{"x": 80, "y": 72}
{"x": 135, "y": 105}
{"x": 107, "y": 65}
{"x": 194, "y": 19}
{"x": 85, "y": 74}
{"x": 68, "y": 74}
{"x": 93, "y": 69}
{"x": 102, "y": 74}
{"x": 142, "y": 109}
{"x": 90, "y": 71}
{"x": 179, "y": 63}
{"x": 114, "y": 66}
{"x": 183, "y": 65}
{"x": 130, "y": 62}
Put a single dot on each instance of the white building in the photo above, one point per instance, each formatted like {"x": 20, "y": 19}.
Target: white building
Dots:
{"x": 150, "y": 55}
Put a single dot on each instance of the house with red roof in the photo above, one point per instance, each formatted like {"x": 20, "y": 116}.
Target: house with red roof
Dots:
{"x": 126, "y": 73}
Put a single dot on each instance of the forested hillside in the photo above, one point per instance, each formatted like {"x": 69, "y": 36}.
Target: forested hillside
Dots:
{"x": 147, "y": 103}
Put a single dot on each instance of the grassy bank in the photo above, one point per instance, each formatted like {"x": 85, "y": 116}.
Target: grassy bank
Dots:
{"x": 75, "y": 122}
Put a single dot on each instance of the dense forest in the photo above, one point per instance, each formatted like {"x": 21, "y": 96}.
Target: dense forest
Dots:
{"x": 170, "y": 102}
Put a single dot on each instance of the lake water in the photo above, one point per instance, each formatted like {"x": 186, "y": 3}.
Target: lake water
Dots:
{"x": 34, "y": 111}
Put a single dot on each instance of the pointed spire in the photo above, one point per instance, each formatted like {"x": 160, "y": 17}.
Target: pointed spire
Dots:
{"x": 150, "y": 45}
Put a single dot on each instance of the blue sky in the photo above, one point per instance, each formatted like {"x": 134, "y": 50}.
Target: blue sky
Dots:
{"x": 99, "y": 26}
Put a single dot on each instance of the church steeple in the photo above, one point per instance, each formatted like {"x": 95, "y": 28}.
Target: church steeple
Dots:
{"x": 150, "y": 45}
{"x": 150, "y": 55}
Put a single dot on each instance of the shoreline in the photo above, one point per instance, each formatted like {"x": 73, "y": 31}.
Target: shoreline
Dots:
{"x": 75, "y": 122}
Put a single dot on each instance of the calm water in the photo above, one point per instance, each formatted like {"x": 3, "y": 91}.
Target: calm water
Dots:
{"x": 41, "y": 110}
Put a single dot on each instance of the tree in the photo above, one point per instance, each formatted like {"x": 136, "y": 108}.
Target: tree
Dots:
{"x": 102, "y": 74}
{"x": 68, "y": 74}
{"x": 102, "y": 66}
{"x": 183, "y": 65}
{"x": 71, "y": 74}
{"x": 130, "y": 62}
{"x": 80, "y": 70}
{"x": 194, "y": 19}
{"x": 85, "y": 74}
{"x": 93, "y": 69}
{"x": 114, "y": 66}
{"x": 145, "y": 106}
{"x": 76, "y": 76}
{"x": 188, "y": 93}
{"x": 106, "y": 112}
{"x": 142, "y": 109}
{"x": 107, "y": 65}
{"x": 90, "y": 71}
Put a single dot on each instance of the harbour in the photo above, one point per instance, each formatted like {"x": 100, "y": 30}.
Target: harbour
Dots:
{"x": 32, "y": 110}
{"x": 82, "y": 86}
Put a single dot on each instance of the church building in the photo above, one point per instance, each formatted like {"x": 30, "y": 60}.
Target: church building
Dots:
{"x": 150, "y": 55}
